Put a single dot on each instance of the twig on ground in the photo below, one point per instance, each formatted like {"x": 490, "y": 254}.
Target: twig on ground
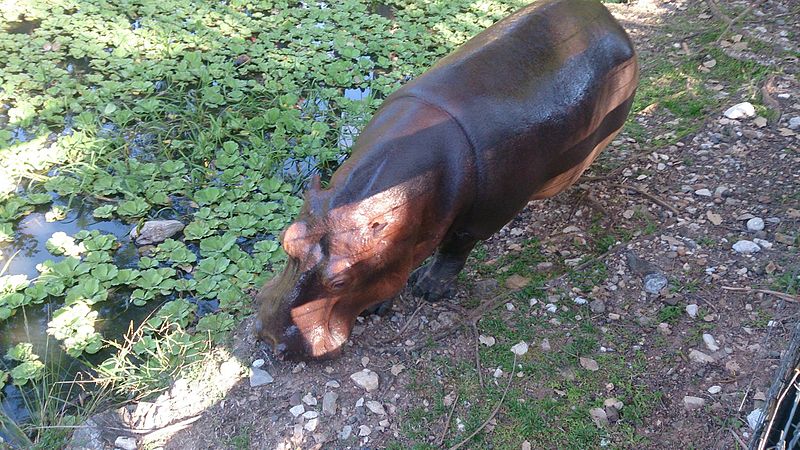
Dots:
{"x": 405, "y": 326}
{"x": 477, "y": 353}
{"x": 648, "y": 195}
{"x": 780, "y": 295}
{"x": 595, "y": 204}
{"x": 473, "y": 316}
{"x": 494, "y": 411}
{"x": 724, "y": 17}
{"x": 177, "y": 426}
{"x": 738, "y": 439}
{"x": 447, "y": 422}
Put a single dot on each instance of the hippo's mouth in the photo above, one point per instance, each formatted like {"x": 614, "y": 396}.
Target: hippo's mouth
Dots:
{"x": 321, "y": 334}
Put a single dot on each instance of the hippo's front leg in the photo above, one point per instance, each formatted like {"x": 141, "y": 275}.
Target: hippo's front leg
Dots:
{"x": 437, "y": 279}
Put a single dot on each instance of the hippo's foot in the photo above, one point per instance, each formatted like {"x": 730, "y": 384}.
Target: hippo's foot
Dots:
{"x": 381, "y": 309}
{"x": 437, "y": 279}
{"x": 432, "y": 286}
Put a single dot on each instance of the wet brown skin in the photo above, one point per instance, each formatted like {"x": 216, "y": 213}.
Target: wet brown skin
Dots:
{"x": 517, "y": 113}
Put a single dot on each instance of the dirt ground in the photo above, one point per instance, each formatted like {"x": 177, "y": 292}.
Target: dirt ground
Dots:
{"x": 683, "y": 203}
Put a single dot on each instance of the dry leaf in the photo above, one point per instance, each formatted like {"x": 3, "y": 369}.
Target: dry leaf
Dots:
{"x": 714, "y": 218}
{"x": 516, "y": 282}
{"x": 486, "y": 340}
{"x": 589, "y": 364}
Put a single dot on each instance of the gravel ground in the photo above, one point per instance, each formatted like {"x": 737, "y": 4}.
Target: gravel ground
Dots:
{"x": 705, "y": 216}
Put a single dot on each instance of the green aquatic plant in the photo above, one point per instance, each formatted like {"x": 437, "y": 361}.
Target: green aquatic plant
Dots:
{"x": 30, "y": 368}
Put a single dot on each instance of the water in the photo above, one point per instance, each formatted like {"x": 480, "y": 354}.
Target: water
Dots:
{"x": 30, "y": 324}
{"x": 23, "y": 26}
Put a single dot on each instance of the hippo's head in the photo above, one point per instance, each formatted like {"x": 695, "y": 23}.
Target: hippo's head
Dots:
{"x": 341, "y": 259}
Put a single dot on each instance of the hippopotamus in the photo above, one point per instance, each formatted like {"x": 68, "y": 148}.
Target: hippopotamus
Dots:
{"x": 515, "y": 114}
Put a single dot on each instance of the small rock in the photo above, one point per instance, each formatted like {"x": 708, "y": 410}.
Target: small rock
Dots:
{"x": 794, "y": 123}
{"x": 498, "y": 373}
{"x": 692, "y": 310}
{"x": 343, "y": 435}
{"x": 746, "y": 247}
{"x": 760, "y": 122}
{"x": 755, "y": 417}
{"x": 580, "y": 301}
{"x": 310, "y": 415}
{"x": 259, "y": 377}
{"x": 599, "y": 417}
{"x": 155, "y": 231}
{"x": 613, "y": 402}
{"x": 520, "y": 349}
{"x": 664, "y": 329}
{"x": 376, "y": 407}
{"x": 485, "y": 288}
{"x": 329, "y": 403}
{"x": 700, "y": 357}
{"x": 693, "y": 403}
{"x": 597, "y": 306}
{"x": 715, "y": 389}
{"x": 711, "y": 343}
{"x": 333, "y": 384}
{"x": 654, "y": 283}
{"x": 551, "y": 307}
{"x": 589, "y": 364}
{"x": 297, "y": 410}
{"x": 312, "y": 424}
{"x": 703, "y": 192}
{"x": 526, "y": 445}
{"x": 741, "y": 110}
{"x": 364, "y": 430}
{"x": 125, "y": 443}
{"x": 766, "y": 245}
{"x": 639, "y": 265}
{"x": 546, "y": 345}
{"x": 397, "y": 368}
{"x": 366, "y": 379}
{"x": 309, "y": 400}
{"x": 258, "y": 363}
{"x": 755, "y": 224}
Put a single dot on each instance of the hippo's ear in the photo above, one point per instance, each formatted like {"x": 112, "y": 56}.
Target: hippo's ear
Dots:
{"x": 294, "y": 239}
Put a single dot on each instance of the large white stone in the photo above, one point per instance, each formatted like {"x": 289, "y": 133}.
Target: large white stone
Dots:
{"x": 741, "y": 110}
{"x": 366, "y": 379}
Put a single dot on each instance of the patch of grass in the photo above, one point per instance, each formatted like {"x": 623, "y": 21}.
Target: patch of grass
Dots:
{"x": 533, "y": 410}
{"x": 761, "y": 320}
{"x": 788, "y": 281}
{"x": 240, "y": 441}
{"x": 670, "y": 314}
{"x": 589, "y": 277}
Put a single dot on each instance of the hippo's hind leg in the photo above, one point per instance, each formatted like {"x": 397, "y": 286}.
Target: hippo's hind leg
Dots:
{"x": 437, "y": 279}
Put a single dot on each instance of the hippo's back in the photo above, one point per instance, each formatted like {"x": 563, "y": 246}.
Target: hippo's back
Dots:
{"x": 536, "y": 95}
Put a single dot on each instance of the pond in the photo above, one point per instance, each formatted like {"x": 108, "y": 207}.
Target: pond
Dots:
{"x": 21, "y": 257}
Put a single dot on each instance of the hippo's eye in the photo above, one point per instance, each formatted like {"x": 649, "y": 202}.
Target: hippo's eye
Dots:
{"x": 337, "y": 284}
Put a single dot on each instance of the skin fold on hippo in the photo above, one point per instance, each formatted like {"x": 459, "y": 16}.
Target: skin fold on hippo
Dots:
{"x": 515, "y": 114}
